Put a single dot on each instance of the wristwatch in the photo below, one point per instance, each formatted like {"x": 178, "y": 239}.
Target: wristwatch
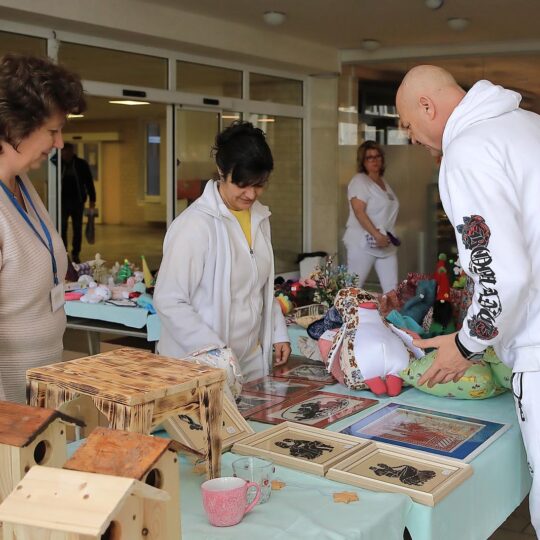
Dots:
{"x": 468, "y": 355}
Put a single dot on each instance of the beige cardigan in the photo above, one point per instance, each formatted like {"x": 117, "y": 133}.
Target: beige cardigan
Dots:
{"x": 30, "y": 333}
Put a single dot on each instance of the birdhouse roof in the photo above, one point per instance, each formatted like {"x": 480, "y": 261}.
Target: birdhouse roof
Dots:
{"x": 118, "y": 453}
{"x": 21, "y": 424}
{"x": 71, "y": 501}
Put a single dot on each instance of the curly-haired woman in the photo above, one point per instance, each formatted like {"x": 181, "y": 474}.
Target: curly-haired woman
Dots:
{"x": 35, "y": 97}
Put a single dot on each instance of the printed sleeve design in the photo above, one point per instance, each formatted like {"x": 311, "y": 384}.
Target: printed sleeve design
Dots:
{"x": 475, "y": 235}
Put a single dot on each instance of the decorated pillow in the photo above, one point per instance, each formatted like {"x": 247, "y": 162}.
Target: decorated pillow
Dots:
{"x": 479, "y": 381}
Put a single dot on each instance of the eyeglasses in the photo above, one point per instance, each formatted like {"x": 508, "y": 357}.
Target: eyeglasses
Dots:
{"x": 373, "y": 158}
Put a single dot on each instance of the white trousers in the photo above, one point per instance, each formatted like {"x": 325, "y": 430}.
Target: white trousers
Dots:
{"x": 526, "y": 388}
{"x": 359, "y": 262}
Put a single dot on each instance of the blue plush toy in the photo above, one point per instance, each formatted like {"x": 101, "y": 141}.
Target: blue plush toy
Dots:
{"x": 418, "y": 306}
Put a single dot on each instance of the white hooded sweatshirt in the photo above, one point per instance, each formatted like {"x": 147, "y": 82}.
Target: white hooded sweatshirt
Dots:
{"x": 213, "y": 290}
{"x": 490, "y": 189}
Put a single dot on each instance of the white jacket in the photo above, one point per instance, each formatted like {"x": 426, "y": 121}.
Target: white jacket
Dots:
{"x": 490, "y": 189}
{"x": 193, "y": 288}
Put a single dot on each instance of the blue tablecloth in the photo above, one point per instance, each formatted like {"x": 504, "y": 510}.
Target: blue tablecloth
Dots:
{"x": 133, "y": 317}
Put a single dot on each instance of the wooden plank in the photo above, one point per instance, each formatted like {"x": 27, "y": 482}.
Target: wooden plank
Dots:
{"x": 20, "y": 424}
{"x": 118, "y": 453}
{"x": 211, "y": 408}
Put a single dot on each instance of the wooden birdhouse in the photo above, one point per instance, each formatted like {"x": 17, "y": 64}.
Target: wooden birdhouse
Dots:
{"x": 151, "y": 460}
{"x": 29, "y": 436}
{"x": 59, "y": 504}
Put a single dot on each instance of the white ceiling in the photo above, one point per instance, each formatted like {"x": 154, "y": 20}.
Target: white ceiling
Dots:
{"x": 513, "y": 25}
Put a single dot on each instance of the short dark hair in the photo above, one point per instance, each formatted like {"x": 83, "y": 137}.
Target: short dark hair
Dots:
{"x": 242, "y": 151}
{"x": 32, "y": 89}
{"x": 361, "y": 155}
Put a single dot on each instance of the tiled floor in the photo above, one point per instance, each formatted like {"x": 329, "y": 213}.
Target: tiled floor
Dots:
{"x": 517, "y": 526}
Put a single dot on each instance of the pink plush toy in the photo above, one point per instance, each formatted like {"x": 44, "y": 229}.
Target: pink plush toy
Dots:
{"x": 367, "y": 351}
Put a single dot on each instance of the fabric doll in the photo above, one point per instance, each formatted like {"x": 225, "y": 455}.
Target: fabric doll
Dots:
{"x": 367, "y": 351}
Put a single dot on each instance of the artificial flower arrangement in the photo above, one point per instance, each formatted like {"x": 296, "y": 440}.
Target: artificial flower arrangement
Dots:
{"x": 327, "y": 280}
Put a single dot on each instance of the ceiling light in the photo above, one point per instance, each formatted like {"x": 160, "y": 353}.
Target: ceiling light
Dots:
{"x": 274, "y": 18}
{"x": 370, "y": 44}
{"x": 266, "y": 120}
{"x": 458, "y": 23}
{"x": 70, "y": 116}
{"x": 230, "y": 117}
{"x": 434, "y": 4}
{"x": 128, "y": 102}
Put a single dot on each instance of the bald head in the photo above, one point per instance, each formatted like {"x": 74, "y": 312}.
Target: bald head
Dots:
{"x": 425, "y": 100}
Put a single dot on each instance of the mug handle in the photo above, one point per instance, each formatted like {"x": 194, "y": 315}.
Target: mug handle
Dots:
{"x": 257, "y": 496}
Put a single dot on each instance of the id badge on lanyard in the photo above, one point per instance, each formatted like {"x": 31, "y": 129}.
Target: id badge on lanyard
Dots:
{"x": 57, "y": 290}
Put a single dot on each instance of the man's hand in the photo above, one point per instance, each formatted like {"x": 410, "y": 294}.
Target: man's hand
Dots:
{"x": 282, "y": 351}
{"x": 448, "y": 365}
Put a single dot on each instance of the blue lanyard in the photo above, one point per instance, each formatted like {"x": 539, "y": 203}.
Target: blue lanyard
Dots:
{"x": 22, "y": 212}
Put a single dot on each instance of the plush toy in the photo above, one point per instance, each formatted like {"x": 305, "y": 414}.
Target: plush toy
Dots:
{"x": 418, "y": 306}
{"x": 367, "y": 351}
{"x": 95, "y": 294}
{"x": 124, "y": 272}
{"x": 286, "y": 305}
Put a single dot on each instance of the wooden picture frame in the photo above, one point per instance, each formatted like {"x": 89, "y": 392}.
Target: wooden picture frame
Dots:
{"x": 316, "y": 408}
{"x": 305, "y": 448}
{"x": 436, "y": 432}
{"x": 427, "y": 479}
{"x": 188, "y": 429}
{"x": 281, "y": 386}
{"x": 249, "y": 403}
{"x": 300, "y": 367}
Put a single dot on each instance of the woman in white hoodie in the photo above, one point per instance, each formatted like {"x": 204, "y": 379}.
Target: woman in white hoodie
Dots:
{"x": 215, "y": 286}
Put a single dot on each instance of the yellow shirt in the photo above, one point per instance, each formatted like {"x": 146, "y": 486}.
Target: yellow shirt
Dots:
{"x": 244, "y": 218}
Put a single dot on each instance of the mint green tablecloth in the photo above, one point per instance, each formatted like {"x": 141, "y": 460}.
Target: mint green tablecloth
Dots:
{"x": 133, "y": 317}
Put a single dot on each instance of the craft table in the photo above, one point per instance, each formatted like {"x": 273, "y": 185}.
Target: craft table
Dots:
{"x": 473, "y": 511}
{"x": 304, "y": 508}
{"x": 137, "y": 391}
{"x": 95, "y": 319}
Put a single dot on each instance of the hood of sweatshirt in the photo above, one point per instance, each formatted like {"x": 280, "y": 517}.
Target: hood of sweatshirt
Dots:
{"x": 210, "y": 202}
{"x": 484, "y": 100}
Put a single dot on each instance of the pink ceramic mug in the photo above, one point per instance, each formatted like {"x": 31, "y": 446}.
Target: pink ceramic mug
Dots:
{"x": 225, "y": 500}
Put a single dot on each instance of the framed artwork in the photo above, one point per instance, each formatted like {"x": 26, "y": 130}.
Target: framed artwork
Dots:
{"x": 300, "y": 447}
{"x": 317, "y": 408}
{"x": 299, "y": 367}
{"x": 437, "y": 432}
{"x": 189, "y": 431}
{"x": 277, "y": 386}
{"x": 382, "y": 467}
{"x": 248, "y": 403}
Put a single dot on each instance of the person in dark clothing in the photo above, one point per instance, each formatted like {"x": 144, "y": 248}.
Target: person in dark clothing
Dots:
{"x": 77, "y": 185}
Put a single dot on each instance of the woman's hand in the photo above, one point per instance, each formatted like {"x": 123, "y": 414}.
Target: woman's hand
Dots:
{"x": 282, "y": 351}
{"x": 382, "y": 240}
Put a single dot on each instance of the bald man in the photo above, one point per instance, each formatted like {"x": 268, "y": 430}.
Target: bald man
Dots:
{"x": 489, "y": 183}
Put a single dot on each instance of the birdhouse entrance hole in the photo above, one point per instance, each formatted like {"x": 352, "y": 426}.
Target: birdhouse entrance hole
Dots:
{"x": 154, "y": 478}
{"x": 42, "y": 452}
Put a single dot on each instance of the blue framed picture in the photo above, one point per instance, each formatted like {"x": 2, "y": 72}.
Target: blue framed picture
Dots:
{"x": 437, "y": 432}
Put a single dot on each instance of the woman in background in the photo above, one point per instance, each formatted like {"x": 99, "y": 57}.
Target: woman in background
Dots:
{"x": 373, "y": 208}
{"x": 215, "y": 286}
{"x": 35, "y": 97}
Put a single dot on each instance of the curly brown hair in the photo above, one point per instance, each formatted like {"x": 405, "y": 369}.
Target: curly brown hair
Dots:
{"x": 361, "y": 154}
{"x": 32, "y": 89}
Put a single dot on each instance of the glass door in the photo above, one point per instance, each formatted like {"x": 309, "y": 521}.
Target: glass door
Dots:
{"x": 196, "y": 130}
{"x": 195, "y": 134}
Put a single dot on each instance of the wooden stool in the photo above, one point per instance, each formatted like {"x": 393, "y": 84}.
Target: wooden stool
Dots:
{"x": 136, "y": 391}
